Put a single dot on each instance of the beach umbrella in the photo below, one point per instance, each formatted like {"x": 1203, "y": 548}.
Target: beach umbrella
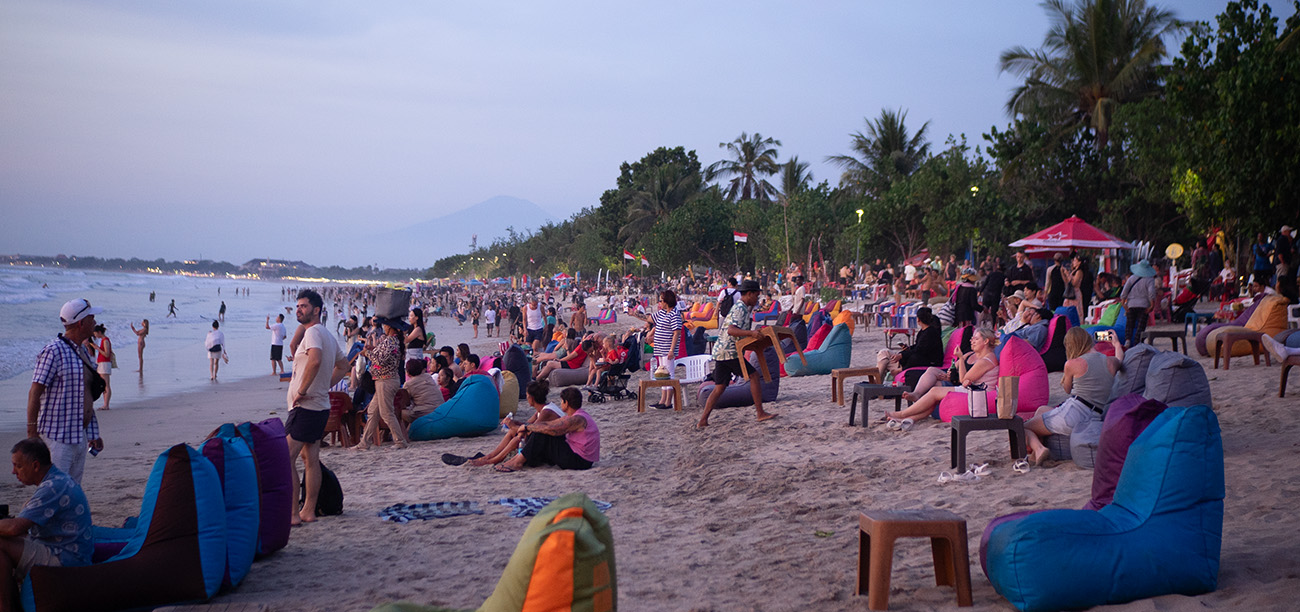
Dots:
{"x": 1072, "y": 233}
{"x": 500, "y": 281}
{"x": 475, "y": 283}
{"x": 561, "y": 276}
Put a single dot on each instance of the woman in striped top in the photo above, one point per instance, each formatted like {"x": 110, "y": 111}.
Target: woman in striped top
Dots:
{"x": 667, "y": 325}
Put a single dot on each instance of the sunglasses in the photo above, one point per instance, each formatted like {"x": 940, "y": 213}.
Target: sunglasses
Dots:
{"x": 83, "y": 309}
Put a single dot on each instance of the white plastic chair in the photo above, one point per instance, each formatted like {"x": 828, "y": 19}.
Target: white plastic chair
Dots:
{"x": 697, "y": 371}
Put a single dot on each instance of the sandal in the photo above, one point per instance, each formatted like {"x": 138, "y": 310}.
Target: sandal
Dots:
{"x": 1021, "y": 466}
{"x": 503, "y": 468}
{"x": 979, "y": 469}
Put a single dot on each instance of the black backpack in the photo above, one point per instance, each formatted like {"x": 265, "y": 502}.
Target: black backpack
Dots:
{"x": 727, "y": 301}
{"x": 330, "y": 500}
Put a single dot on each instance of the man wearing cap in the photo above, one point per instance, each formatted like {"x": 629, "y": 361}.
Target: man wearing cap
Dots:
{"x": 318, "y": 364}
{"x": 1140, "y": 294}
{"x": 726, "y": 360}
{"x": 59, "y": 404}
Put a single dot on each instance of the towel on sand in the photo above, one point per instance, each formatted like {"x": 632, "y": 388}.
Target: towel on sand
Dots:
{"x": 405, "y": 513}
{"x": 529, "y": 506}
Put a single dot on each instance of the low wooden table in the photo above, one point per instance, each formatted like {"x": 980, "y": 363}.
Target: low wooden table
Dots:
{"x": 771, "y": 336}
{"x": 648, "y": 384}
{"x": 1174, "y": 335}
{"x": 877, "y": 531}
{"x": 839, "y": 375}
{"x": 870, "y": 391}
{"x": 1223, "y": 346}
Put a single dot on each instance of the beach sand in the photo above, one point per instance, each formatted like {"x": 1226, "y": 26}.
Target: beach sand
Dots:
{"x": 731, "y": 518}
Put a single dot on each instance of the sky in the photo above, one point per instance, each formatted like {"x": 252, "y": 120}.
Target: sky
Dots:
{"x": 285, "y": 128}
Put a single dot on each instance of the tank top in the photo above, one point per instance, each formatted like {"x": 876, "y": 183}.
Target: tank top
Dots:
{"x": 534, "y": 318}
{"x": 417, "y": 343}
{"x": 102, "y": 356}
{"x": 990, "y": 377}
{"x": 585, "y": 443}
{"x": 1094, "y": 386}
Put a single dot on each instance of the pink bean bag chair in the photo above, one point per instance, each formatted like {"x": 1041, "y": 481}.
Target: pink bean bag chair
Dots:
{"x": 1018, "y": 358}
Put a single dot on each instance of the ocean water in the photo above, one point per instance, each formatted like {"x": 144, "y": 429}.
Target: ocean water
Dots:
{"x": 174, "y": 358}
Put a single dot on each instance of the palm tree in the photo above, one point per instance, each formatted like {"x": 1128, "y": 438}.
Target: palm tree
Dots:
{"x": 752, "y": 157}
{"x": 795, "y": 177}
{"x": 669, "y": 188}
{"x": 883, "y": 152}
{"x": 1097, "y": 55}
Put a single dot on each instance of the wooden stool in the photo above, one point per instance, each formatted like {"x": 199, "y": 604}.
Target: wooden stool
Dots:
{"x": 1174, "y": 336}
{"x": 839, "y": 375}
{"x": 963, "y": 424}
{"x": 879, "y": 528}
{"x": 771, "y": 336}
{"x": 897, "y": 331}
{"x": 1223, "y": 346}
{"x": 645, "y": 385}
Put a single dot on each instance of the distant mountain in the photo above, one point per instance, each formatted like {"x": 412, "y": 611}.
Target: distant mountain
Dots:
{"x": 421, "y": 244}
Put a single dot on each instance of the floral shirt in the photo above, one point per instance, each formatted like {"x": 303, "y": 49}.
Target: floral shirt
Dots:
{"x": 740, "y": 316}
{"x": 62, "y": 518}
{"x": 385, "y": 358}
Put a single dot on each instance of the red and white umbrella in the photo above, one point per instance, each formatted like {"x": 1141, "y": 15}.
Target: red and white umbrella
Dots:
{"x": 1072, "y": 233}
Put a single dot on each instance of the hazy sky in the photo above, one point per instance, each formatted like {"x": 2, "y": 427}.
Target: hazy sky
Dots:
{"x": 261, "y": 128}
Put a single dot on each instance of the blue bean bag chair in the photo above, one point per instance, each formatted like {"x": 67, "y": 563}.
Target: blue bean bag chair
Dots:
{"x": 1121, "y": 322}
{"x": 174, "y": 552}
{"x": 1069, "y": 312}
{"x": 835, "y": 352}
{"x": 232, "y": 455}
{"x": 737, "y": 393}
{"x": 471, "y": 412}
{"x": 274, "y": 482}
{"x": 1161, "y": 534}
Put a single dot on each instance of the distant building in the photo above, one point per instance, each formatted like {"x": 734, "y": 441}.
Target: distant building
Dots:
{"x": 276, "y": 267}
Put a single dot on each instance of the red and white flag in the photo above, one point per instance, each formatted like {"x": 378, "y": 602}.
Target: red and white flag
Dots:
{"x": 645, "y": 262}
{"x": 530, "y": 260}
{"x": 628, "y": 255}
{"x": 740, "y": 237}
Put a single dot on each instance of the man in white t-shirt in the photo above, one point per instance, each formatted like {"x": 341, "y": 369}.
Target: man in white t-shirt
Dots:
{"x": 490, "y": 317}
{"x": 318, "y": 364}
{"x": 535, "y": 323}
{"x": 277, "y": 343}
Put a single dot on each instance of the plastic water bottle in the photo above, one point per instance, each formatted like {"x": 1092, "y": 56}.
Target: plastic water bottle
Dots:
{"x": 504, "y": 426}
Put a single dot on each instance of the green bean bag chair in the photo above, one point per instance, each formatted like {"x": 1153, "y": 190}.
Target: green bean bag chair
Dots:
{"x": 564, "y": 561}
{"x": 471, "y": 412}
{"x": 835, "y": 352}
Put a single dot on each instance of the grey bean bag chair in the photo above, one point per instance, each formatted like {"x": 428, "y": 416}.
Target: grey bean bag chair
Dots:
{"x": 1084, "y": 441}
{"x": 568, "y": 378}
{"x": 737, "y": 393}
{"x": 1177, "y": 380}
{"x": 1132, "y": 378}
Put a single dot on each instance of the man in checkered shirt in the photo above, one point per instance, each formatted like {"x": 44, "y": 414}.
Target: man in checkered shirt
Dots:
{"x": 59, "y": 405}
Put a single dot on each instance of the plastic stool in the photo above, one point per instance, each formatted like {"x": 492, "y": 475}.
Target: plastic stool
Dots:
{"x": 963, "y": 424}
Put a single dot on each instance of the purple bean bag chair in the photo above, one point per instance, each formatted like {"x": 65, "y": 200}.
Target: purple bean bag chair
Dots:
{"x": 1202, "y": 337}
{"x": 816, "y": 321}
{"x": 1018, "y": 358}
{"x": 274, "y": 482}
{"x": 1126, "y": 419}
{"x": 737, "y": 393}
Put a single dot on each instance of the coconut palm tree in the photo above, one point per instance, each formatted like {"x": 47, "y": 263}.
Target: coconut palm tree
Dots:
{"x": 752, "y": 158}
{"x": 884, "y": 151}
{"x": 1097, "y": 55}
{"x": 669, "y": 187}
{"x": 795, "y": 177}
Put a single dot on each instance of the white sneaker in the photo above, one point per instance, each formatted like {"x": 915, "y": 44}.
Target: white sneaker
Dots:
{"x": 1278, "y": 349}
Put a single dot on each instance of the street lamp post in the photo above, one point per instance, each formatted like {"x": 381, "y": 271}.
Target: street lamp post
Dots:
{"x": 857, "y": 252}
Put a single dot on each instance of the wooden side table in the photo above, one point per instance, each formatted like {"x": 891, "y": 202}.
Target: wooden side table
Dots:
{"x": 839, "y": 375}
{"x": 645, "y": 385}
{"x": 1174, "y": 335}
{"x": 877, "y": 530}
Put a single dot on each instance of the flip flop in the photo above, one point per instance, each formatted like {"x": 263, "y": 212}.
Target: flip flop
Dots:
{"x": 504, "y": 469}
{"x": 979, "y": 469}
{"x": 893, "y": 425}
{"x": 905, "y": 424}
{"x": 1021, "y": 466}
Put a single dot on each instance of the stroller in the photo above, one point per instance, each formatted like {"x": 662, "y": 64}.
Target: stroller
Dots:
{"x": 612, "y": 384}
{"x": 1186, "y": 300}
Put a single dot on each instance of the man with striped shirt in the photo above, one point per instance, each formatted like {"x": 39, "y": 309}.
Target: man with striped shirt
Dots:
{"x": 59, "y": 404}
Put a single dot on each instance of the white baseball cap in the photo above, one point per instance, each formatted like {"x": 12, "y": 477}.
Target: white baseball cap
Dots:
{"x": 76, "y": 310}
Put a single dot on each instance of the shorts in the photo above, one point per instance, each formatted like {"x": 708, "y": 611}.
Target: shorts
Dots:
{"x": 564, "y": 365}
{"x": 534, "y": 334}
{"x": 1070, "y": 414}
{"x": 475, "y": 322}
{"x": 306, "y": 426}
{"x": 105, "y": 368}
{"x": 35, "y": 553}
{"x": 724, "y": 369}
{"x": 277, "y": 352}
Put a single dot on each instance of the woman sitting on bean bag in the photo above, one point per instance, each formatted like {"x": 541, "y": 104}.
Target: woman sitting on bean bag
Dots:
{"x": 1088, "y": 377}
{"x": 926, "y": 351}
{"x": 571, "y": 443}
{"x": 983, "y": 371}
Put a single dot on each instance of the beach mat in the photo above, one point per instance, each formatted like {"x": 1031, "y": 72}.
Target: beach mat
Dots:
{"x": 521, "y": 507}
{"x": 405, "y": 513}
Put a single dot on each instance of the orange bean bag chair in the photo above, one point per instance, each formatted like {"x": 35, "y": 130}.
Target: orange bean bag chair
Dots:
{"x": 846, "y": 317}
{"x": 1269, "y": 318}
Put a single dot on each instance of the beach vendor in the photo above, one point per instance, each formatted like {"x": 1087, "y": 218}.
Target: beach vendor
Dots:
{"x": 726, "y": 360}
{"x": 52, "y": 529}
{"x": 570, "y": 443}
{"x": 59, "y": 404}
{"x": 1088, "y": 376}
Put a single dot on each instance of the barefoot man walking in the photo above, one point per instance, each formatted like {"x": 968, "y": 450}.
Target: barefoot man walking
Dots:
{"x": 726, "y": 360}
{"x": 318, "y": 364}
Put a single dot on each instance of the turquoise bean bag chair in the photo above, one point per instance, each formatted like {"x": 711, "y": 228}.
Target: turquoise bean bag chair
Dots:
{"x": 1161, "y": 535}
{"x": 471, "y": 412}
{"x": 835, "y": 352}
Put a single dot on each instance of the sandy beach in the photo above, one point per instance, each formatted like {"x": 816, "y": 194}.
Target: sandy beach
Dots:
{"x": 741, "y": 516}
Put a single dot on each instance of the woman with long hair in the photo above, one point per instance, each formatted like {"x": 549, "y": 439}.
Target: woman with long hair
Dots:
{"x": 103, "y": 348}
{"x": 983, "y": 371}
{"x": 1087, "y": 377}
{"x": 139, "y": 341}
{"x": 416, "y": 338}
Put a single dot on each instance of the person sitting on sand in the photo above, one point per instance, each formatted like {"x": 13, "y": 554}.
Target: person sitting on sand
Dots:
{"x": 544, "y": 412}
{"x": 575, "y": 359}
{"x": 570, "y": 443}
{"x": 1087, "y": 377}
{"x": 426, "y": 395}
{"x": 983, "y": 371}
{"x": 927, "y": 351}
{"x": 739, "y": 323}
{"x": 560, "y": 352}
